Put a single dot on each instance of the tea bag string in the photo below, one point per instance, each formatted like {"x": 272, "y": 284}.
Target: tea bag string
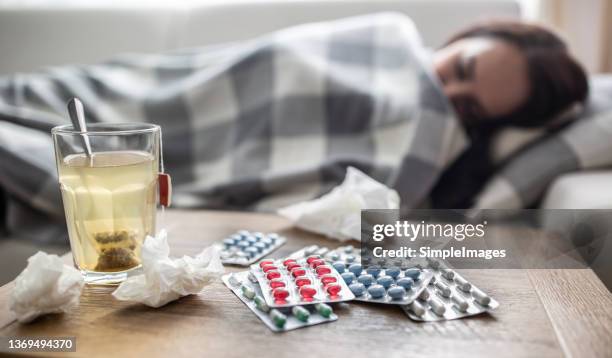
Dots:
{"x": 162, "y": 216}
{"x": 161, "y": 152}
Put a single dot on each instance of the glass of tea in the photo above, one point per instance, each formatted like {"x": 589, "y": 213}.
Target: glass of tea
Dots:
{"x": 110, "y": 195}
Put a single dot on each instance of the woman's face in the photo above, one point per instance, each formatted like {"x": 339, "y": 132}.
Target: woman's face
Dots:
{"x": 483, "y": 78}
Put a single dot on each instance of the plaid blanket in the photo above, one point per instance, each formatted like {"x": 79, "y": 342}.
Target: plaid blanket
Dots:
{"x": 254, "y": 125}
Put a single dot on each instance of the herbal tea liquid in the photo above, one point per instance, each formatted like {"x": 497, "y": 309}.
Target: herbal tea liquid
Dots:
{"x": 110, "y": 205}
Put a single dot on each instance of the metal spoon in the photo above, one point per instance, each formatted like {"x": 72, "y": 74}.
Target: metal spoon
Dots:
{"x": 77, "y": 116}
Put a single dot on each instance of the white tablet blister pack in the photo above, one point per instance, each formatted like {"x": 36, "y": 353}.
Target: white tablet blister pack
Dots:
{"x": 244, "y": 248}
{"x": 277, "y": 319}
{"x": 449, "y": 296}
{"x": 348, "y": 254}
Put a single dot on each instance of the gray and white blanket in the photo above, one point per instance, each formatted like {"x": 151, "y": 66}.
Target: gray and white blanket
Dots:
{"x": 255, "y": 125}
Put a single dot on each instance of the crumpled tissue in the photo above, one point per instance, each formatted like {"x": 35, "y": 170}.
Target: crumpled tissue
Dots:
{"x": 46, "y": 285}
{"x": 165, "y": 279}
{"x": 338, "y": 213}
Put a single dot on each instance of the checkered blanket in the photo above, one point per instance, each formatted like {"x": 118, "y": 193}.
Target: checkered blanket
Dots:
{"x": 253, "y": 125}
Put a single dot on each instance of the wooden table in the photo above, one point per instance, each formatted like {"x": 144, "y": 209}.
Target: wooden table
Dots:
{"x": 543, "y": 313}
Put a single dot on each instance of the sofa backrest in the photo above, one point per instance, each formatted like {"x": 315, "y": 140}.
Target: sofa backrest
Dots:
{"x": 34, "y": 37}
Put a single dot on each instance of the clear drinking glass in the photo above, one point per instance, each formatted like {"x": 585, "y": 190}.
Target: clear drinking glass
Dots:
{"x": 110, "y": 197}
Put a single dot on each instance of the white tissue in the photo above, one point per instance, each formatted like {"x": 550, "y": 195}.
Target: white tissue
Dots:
{"x": 45, "y": 286}
{"x": 338, "y": 213}
{"x": 167, "y": 279}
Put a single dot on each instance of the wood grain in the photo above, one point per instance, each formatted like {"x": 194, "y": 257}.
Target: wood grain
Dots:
{"x": 576, "y": 302}
{"x": 535, "y": 317}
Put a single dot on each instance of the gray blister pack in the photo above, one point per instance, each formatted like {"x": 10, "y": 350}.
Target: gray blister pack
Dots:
{"x": 278, "y": 320}
{"x": 244, "y": 248}
{"x": 449, "y": 296}
{"x": 348, "y": 254}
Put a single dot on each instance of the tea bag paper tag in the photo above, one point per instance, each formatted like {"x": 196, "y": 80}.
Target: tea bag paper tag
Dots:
{"x": 165, "y": 189}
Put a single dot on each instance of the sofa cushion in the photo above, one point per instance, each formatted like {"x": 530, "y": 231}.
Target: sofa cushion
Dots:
{"x": 585, "y": 144}
{"x": 585, "y": 190}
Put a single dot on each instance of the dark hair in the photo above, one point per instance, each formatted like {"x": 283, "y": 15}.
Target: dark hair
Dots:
{"x": 557, "y": 83}
{"x": 556, "y": 80}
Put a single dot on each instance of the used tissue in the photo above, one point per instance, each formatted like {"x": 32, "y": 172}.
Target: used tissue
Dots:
{"x": 338, "y": 213}
{"x": 45, "y": 286}
{"x": 167, "y": 279}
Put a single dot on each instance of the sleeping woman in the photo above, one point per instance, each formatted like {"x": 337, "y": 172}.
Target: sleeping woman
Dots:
{"x": 500, "y": 74}
{"x": 276, "y": 120}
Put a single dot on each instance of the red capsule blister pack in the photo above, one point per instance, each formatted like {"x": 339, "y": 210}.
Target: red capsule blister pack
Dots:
{"x": 289, "y": 282}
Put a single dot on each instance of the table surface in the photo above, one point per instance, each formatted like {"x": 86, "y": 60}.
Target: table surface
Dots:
{"x": 543, "y": 313}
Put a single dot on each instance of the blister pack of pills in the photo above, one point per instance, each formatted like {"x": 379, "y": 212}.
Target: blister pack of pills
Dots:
{"x": 290, "y": 282}
{"x": 278, "y": 320}
{"x": 309, "y": 250}
{"x": 448, "y": 296}
{"x": 348, "y": 254}
{"x": 391, "y": 285}
{"x": 244, "y": 248}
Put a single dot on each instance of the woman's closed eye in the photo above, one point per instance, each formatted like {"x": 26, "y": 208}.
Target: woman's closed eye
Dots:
{"x": 459, "y": 70}
{"x": 465, "y": 71}
{"x": 464, "y": 68}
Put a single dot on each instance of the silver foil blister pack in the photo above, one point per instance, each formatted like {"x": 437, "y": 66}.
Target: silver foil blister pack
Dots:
{"x": 348, "y": 253}
{"x": 281, "y": 319}
{"x": 244, "y": 248}
{"x": 449, "y": 296}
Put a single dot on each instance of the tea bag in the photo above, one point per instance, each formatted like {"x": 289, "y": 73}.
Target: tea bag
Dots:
{"x": 338, "y": 213}
{"x": 165, "y": 279}
{"x": 116, "y": 250}
{"x": 46, "y": 285}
